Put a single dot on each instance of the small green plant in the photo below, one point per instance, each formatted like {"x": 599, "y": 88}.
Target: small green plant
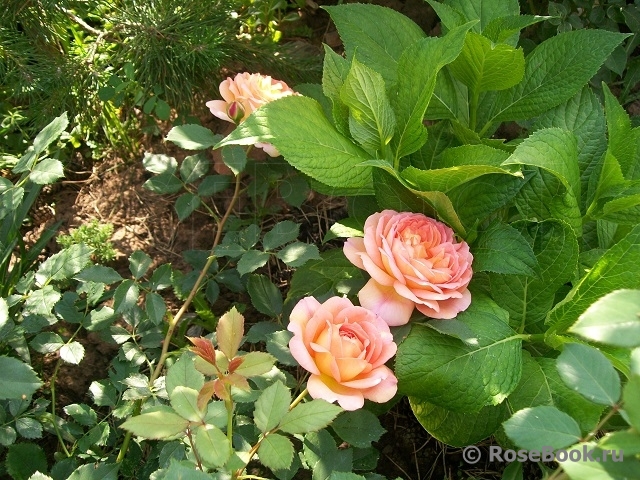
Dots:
{"x": 95, "y": 235}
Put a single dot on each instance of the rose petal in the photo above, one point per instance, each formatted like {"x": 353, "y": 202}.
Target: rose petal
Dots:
{"x": 384, "y": 301}
{"x": 328, "y": 389}
{"x": 384, "y": 391}
{"x": 447, "y": 308}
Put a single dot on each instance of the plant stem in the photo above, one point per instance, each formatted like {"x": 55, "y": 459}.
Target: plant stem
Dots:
{"x": 173, "y": 322}
{"x": 298, "y": 399}
{"x": 229, "y": 406}
{"x": 53, "y": 407}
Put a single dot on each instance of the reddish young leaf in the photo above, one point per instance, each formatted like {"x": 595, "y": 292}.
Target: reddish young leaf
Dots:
{"x": 203, "y": 348}
{"x": 204, "y": 396}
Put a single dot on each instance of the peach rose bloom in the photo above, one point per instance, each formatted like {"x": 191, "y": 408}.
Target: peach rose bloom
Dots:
{"x": 414, "y": 261}
{"x": 344, "y": 347}
{"x": 244, "y": 94}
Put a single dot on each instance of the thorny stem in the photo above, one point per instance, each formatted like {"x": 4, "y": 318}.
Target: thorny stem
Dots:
{"x": 174, "y": 320}
{"x": 194, "y": 449}
{"x": 254, "y": 449}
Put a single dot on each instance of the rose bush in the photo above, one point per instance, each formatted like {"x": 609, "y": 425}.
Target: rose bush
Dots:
{"x": 345, "y": 348}
{"x": 414, "y": 262}
{"x": 244, "y": 94}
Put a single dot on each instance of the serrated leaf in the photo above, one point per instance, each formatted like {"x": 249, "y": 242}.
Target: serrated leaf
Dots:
{"x": 618, "y": 268}
{"x": 502, "y": 249}
{"x": 235, "y": 158}
{"x": 588, "y": 372}
{"x": 165, "y": 183}
{"x": 28, "y": 427}
{"x": 139, "y": 263}
{"x": 72, "y": 352}
{"x": 212, "y": 184}
{"x": 619, "y": 467}
{"x": 183, "y": 373}
{"x": 309, "y": 417}
{"x": 271, "y": 406}
{"x": 457, "y": 428}
{"x": 192, "y": 137}
{"x": 297, "y": 254}
{"x": 323, "y": 457}
{"x": 184, "y": 401}
{"x": 358, "y": 428}
{"x": 251, "y": 260}
{"x": 103, "y": 471}
{"x": 50, "y": 133}
{"x": 18, "y": 379}
{"x": 194, "y": 167}
{"x": 159, "y": 163}
{"x": 47, "y": 171}
{"x": 99, "y": 274}
{"x": 612, "y": 320}
{"x": 213, "y": 445}
{"x": 46, "y": 342}
{"x": 276, "y": 452}
{"x": 377, "y": 35}
{"x": 126, "y": 296}
{"x": 65, "y": 264}
{"x": 297, "y": 127}
{"x": 186, "y": 204}
{"x": 155, "y": 307}
{"x": 265, "y": 296}
{"x": 255, "y": 363}
{"x": 81, "y": 413}
{"x": 281, "y": 233}
{"x": 24, "y": 459}
{"x": 156, "y": 425}
{"x": 537, "y": 427}
{"x": 555, "y": 71}
{"x": 229, "y": 332}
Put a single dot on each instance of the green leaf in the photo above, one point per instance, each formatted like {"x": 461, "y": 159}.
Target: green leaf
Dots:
{"x": 156, "y": 425}
{"x": 528, "y": 299}
{"x": 533, "y": 389}
{"x": 358, "y": 428}
{"x": 265, "y": 296}
{"x": 631, "y": 399}
{"x": 323, "y": 457}
{"x": 377, "y": 35}
{"x": 186, "y": 205}
{"x": 47, "y": 171}
{"x": 251, "y": 260}
{"x": 276, "y": 452}
{"x": 126, "y": 296}
{"x": 46, "y": 342}
{"x": 28, "y": 427}
{"x": 165, "y": 183}
{"x": 184, "y": 401}
{"x": 485, "y": 10}
{"x": 297, "y": 127}
{"x": 309, "y": 417}
{"x": 81, "y": 413}
{"x": 183, "y": 373}
{"x": 212, "y": 184}
{"x": 194, "y": 167}
{"x": 159, "y": 163}
{"x": 618, "y": 268}
{"x": 371, "y": 118}
{"x": 628, "y": 441}
{"x": 25, "y": 459}
{"x": 103, "y": 471}
{"x": 139, "y": 263}
{"x": 72, "y": 352}
{"x": 155, "y": 307}
{"x": 229, "y": 332}
{"x": 281, "y": 234}
{"x": 213, "y": 445}
{"x": 255, "y": 363}
{"x": 192, "y": 137}
{"x": 40, "y": 302}
{"x": 537, "y": 427}
{"x": 483, "y": 65}
{"x": 588, "y": 372}
{"x": 555, "y": 71}
{"x": 612, "y": 320}
{"x": 297, "y": 254}
{"x": 597, "y": 469}
{"x": 420, "y": 64}
{"x": 235, "y": 158}
{"x": 272, "y": 405}
{"x": 18, "y": 379}
{"x": 624, "y": 141}
{"x": 49, "y": 134}
{"x": 455, "y": 428}
{"x": 503, "y": 249}
{"x": 462, "y": 376}
{"x": 506, "y": 29}
{"x": 65, "y": 264}
{"x": 98, "y": 274}
{"x": 445, "y": 179}
{"x": 163, "y": 110}
{"x": 184, "y": 472}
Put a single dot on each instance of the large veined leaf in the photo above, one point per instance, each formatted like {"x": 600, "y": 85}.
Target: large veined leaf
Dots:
{"x": 624, "y": 141}
{"x": 371, "y": 119}
{"x": 484, "y": 10}
{"x": 533, "y": 389}
{"x": 555, "y": 71}
{"x": 503, "y": 249}
{"x": 420, "y": 65}
{"x": 376, "y": 35}
{"x": 529, "y": 298}
{"x": 445, "y": 179}
{"x": 462, "y": 376}
{"x": 456, "y": 428}
{"x": 297, "y": 127}
{"x": 618, "y": 268}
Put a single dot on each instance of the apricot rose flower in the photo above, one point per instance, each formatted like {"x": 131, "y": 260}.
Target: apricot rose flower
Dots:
{"x": 344, "y": 347}
{"x": 414, "y": 262}
{"x": 244, "y": 94}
